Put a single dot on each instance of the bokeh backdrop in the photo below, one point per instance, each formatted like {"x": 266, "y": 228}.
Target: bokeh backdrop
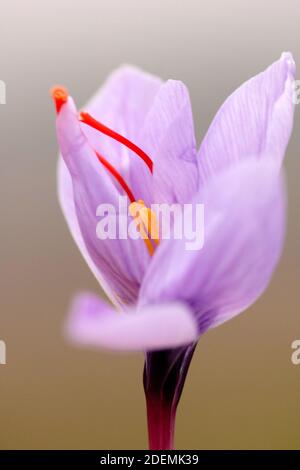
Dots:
{"x": 242, "y": 390}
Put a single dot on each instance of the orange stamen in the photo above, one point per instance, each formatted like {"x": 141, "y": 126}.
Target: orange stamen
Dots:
{"x": 145, "y": 220}
{"x": 86, "y": 118}
{"x": 60, "y": 96}
{"x": 151, "y": 224}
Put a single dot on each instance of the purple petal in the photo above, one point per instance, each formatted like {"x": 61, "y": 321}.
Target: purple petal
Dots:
{"x": 255, "y": 120}
{"x": 125, "y": 99}
{"x": 93, "y": 322}
{"x": 169, "y": 138}
{"x": 66, "y": 199}
{"x": 114, "y": 260}
{"x": 244, "y": 231}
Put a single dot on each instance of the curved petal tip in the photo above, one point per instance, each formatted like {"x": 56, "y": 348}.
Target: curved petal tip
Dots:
{"x": 288, "y": 58}
{"x": 94, "y": 323}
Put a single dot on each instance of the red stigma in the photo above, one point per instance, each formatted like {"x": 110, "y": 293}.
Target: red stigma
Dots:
{"x": 116, "y": 175}
{"x": 86, "y": 118}
{"x": 60, "y": 96}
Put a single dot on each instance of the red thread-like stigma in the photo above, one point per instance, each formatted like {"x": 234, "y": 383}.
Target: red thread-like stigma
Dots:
{"x": 116, "y": 175}
{"x": 86, "y": 118}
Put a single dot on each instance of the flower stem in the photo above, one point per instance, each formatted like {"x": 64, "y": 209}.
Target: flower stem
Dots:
{"x": 161, "y": 423}
{"x": 164, "y": 377}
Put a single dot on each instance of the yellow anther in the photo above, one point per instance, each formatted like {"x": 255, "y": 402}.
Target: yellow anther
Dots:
{"x": 146, "y": 223}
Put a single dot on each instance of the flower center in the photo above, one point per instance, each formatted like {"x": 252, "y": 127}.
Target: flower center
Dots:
{"x": 143, "y": 216}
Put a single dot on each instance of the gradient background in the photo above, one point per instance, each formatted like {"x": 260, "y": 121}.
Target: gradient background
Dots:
{"x": 242, "y": 390}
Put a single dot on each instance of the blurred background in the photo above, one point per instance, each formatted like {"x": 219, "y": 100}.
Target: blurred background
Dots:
{"x": 242, "y": 390}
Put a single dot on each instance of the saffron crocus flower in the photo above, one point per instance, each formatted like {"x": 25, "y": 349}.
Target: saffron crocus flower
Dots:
{"x": 136, "y": 138}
